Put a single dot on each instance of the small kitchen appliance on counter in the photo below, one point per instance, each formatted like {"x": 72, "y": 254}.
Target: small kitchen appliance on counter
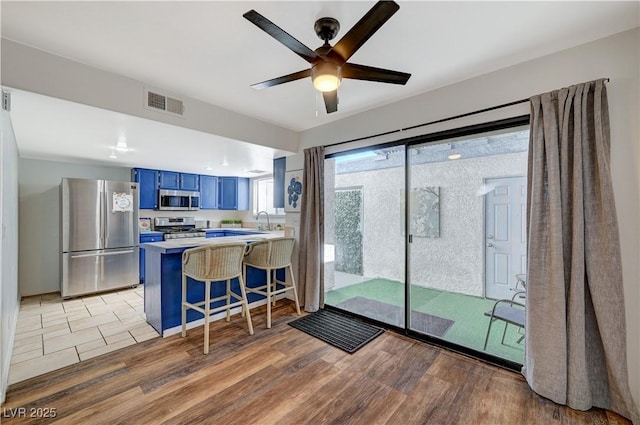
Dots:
{"x": 145, "y": 224}
{"x": 100, "y": 243}
{"x": 177, "y": 227}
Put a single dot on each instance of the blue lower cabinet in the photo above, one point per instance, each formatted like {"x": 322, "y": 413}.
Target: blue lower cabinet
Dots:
{"x": 225, "y": 232}
{"x": 215, "y": 233}
{"x": 144, "y": 238}
{"x": 163, "y": 289}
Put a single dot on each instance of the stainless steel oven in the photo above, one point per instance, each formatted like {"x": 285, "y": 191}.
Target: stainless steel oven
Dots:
{"x": 178, "y": 200}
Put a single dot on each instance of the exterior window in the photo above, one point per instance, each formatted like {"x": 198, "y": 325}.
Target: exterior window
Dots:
{"x": 263, "y": 197}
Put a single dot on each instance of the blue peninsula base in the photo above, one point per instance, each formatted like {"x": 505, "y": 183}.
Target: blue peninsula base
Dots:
{"x": 163, "y": 289}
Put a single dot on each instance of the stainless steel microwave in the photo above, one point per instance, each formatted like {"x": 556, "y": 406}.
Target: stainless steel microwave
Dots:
{"x": 178, "y": 200}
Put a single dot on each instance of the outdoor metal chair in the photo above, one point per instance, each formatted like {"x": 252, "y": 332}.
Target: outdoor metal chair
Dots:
{"x": 510, "y": 312}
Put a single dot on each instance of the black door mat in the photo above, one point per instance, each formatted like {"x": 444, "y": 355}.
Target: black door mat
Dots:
{"x": 394, "y": 315}
{"x": 336, "y": 329}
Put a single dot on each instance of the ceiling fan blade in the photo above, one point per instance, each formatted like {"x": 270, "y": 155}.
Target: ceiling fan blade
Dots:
{"x": 284, "y": 79}
{"x": 363, "y": 30}
{"x": 331, "y": 101}
{"x": 369, "y": 73}
{"x": 282, "y": 36}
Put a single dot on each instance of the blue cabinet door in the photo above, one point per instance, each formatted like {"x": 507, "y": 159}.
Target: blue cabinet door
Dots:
{"x": 215, "y": 233}
{"x": 173, "y": 180}
{"x": 208, "y": 192}
{"x": 233, "y": 193}
{"x": 227, "y": 193}
{"x": 148, "y": 187}
{"x": 243, "y": 193}
{"x": 149, "y": 237}
{"x": 190, "y": 182}
{"x": 169, "y": 180}
{"x": 279, "y": 168}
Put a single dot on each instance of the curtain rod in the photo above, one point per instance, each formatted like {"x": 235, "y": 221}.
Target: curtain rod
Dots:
{"x": 479, "y": 111}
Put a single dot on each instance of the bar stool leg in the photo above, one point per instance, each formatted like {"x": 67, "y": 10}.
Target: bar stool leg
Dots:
{"x": 207, "y": 308}
{"x": 244, "y": 277}
{"x": 245, "y": 304}
{"x": 275, "y": 285}
{"x": 184, "y": 307}
{"x": 228, "y": 299}
{"x": 295, "y": 292}
{"x": 268, "y": 299}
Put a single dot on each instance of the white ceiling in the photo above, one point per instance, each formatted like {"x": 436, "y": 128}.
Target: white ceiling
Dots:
{"x": 206, "y": 50}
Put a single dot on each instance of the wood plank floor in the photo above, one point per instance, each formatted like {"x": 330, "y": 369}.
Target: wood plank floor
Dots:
{"x": 283, "y": 376}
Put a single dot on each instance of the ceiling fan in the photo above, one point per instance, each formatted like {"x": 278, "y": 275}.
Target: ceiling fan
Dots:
{"x": 329, "y": 63}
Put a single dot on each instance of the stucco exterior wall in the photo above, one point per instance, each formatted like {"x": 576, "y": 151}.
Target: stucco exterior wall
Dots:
{"x": 455, "y": 260}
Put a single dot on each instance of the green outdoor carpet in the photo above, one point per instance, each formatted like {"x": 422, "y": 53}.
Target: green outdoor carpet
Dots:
{"x": 467, "y": 312}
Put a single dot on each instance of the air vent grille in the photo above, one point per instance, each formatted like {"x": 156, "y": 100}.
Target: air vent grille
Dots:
{"x": 164, "y": 103}
{"x": 155, "y": 100}
{"x": 174, "y": 106}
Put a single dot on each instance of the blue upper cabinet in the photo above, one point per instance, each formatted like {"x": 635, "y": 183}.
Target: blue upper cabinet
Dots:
{"x": 243, "y": 193}
{"x": 227, "y": 193}
{"x": 279, "y": 168}
{"x": 208, "y": 192}
{"x": 173, "y": 180}
{"x": 148, "y": 187}
{"x": 190, "y": 182}
{"x": 233, "y": 193}
{"x": 169, "y": 180}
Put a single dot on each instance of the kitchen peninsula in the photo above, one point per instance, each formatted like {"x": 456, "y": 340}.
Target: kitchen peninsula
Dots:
{"x": 163, "y": 280}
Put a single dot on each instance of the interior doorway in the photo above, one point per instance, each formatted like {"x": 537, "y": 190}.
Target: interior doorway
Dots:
{"x": 505, "y": 234}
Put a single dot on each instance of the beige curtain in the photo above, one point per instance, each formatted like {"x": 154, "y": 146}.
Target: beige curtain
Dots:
{"x": 575, "y": 338}
{"x": 312, "y": 231}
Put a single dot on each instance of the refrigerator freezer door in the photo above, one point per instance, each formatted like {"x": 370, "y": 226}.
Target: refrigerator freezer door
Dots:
{"x": 82, "y": 215}
{"x": 120, "y": 214}
{"x": 96, "y": 271}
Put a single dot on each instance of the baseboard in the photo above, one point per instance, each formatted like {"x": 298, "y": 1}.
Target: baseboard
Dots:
{"x": 7, "y": 363}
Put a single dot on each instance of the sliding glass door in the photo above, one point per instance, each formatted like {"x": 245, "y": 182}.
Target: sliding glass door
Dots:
{"x": 427, "y": 235}
{"x": 364, "y": 237}
{"x": 467, "y": 199}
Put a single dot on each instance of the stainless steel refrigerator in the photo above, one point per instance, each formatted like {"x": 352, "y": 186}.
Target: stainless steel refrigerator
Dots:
{"x": 100, "y": 243}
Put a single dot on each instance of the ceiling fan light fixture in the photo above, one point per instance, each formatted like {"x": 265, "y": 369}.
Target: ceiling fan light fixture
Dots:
{"x": 326, "y": 76}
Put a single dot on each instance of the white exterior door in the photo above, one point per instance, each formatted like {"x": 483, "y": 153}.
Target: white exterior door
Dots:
{"x": 505, "y": 235}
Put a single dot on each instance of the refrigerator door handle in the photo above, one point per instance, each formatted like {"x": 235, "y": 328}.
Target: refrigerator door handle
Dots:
{"x": 102, "y": 254}
{"x": 103, "y": 217}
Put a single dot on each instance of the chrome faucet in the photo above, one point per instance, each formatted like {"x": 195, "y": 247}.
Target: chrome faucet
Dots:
{"x": 260, "y": 227}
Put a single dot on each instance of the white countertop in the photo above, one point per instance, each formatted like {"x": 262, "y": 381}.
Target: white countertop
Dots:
{"x": 193, "y": 242}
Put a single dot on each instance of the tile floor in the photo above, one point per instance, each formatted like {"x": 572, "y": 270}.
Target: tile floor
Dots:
{"x": 53, "y": 333}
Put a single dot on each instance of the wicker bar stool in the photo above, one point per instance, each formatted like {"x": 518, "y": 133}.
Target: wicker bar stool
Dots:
{"x": 214, "y": 264}
{"x": 271, "y": 255}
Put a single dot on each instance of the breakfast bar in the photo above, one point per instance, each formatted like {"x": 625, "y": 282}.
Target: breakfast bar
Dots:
{"x": 163, "y": 280}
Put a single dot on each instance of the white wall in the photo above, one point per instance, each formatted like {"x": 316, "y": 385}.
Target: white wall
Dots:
{"x": 39, "y": 204}
{"x": 26, "y": 68}
{"x": 616, "y": 57}
{"x": 9, "y": 295}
